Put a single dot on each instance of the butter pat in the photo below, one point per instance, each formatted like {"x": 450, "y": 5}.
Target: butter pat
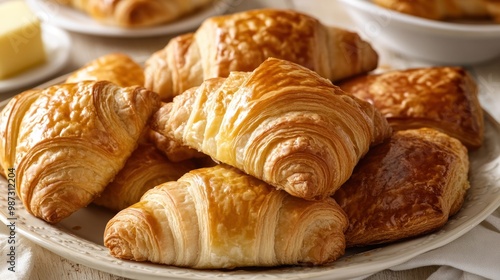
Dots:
{"x": 21, "y": 45}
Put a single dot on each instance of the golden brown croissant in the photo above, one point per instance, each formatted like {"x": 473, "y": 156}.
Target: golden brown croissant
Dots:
{"x": 117, "y": 68}
{"x": 145, "y": 168}
{"x": 70, "y": 141}
{"x": 405, "y": 187}
{"x": 220, "y": 217}
{"x": 124, "y": 71}
{"x": 445, "y": 9}
{"x": 136, "y": 13}
{"x": 444, "y": 98}
{"x": 281, "y": 123}
{"x": 10, "y": 125}
{"x": 241, "y": 41}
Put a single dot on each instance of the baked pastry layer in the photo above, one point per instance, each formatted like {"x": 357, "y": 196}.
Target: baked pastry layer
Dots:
{"x": 444, "y": 98}
{"x": 407, "y": 186}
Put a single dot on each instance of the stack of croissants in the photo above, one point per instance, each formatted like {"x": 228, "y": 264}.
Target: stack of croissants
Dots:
{"x": 264, "y": 138}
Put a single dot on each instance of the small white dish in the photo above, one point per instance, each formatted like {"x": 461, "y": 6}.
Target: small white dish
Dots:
{"x": 77, "y": 21}
{"x": 57, "y": 46}
{"x": 434, "y": 41}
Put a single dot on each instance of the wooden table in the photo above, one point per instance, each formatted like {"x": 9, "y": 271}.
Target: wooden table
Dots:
{"x": 86, "y": 47}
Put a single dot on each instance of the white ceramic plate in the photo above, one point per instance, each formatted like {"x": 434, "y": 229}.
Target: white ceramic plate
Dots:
{"x": 77, "y": 21}
{"x": 435, "y": 41}
{"x": 79, "y": 237}
{"x": 57, "y": 45}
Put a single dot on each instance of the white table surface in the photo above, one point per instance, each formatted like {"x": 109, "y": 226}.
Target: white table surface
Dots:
{"x": 85, "y": 48}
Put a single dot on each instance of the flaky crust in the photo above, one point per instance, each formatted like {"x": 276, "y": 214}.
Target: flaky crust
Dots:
{"x": 405, "y": 187}
{"x": 281, "y": 123}
{"x": 172, "y": 148}
{"x": 71, "y": 141}
{"x": 242, "y": 41}
{"x": 117, "y": 68}
{"x": 445, "y": 9}
{"x": 136, "y": 13}
{"x": 219, "y": 217}
{"x": 10, "y": 126}
{"x": 444, "y": 98}
{"x": 146, "y": 168}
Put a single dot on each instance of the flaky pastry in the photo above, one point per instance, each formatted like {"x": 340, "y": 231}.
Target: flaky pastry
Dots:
{"x": 117, "y": 68}
{"x": 444, "y": 98}
{"x": 407, "y": 186}
{"x": 281, "y": 123}
{"x": 68, "y": 141}
{"x": 220, "y": 217}
{"x": 242, "y": 41}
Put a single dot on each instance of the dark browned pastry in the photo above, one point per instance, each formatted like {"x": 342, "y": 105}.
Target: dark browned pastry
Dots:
{"x": 444, "y": 98}
{"x": 404, "y": 187}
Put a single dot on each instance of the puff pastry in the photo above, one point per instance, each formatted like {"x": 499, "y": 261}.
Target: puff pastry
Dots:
{"x": 241, "y": 41}
{"x": 70, "y": 141}
{"x": 404, "y": 187}
{"x": 281, "y": 123}
{"x": 114, "y": 67}
{"x": 145, "y": 168}
{"x": 10, "y": 126}
{"x": 445, "y": 9}
{"x": 220, "y": 217}
{"x": 173, "y": 149}
{"x": 136, "y": 13}
{"x": 444, "y": 98}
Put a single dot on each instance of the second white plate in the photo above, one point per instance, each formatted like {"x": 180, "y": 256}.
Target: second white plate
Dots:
{"x": 77, "y": 21}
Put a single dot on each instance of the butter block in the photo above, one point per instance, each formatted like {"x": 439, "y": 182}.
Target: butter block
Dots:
{"x": 21, "y": 45}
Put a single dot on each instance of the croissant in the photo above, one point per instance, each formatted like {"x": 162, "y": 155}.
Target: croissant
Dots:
{"x": 407, "y": 186}
{"x": 219, "y": 217}
{"x": 281, "y": 123}
{"x": 10, "y": 125}
{"x": 124, "y": 71}
{"x": 114, "y": 67}
{"x": 136, "y": 13}
{"x": 145, "y": 168}
{"x": 445, "y": 9}
{"x": 70, "y": 141}
{"x": 444, "y": 98}
{"x": 241, "y": 41}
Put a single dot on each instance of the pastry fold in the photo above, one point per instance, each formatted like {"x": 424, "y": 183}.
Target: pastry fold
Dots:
{"x": 242, "y": 41}
{"x": 68, "y": 141}
{"x": 444, "y": 98}
{"x": 281, "y": 123}
{"x": 146, "y": 168}
{"x": 219, "y": 217}
{"x": 136, "y": 13}
{"x": 407, "y": 186}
